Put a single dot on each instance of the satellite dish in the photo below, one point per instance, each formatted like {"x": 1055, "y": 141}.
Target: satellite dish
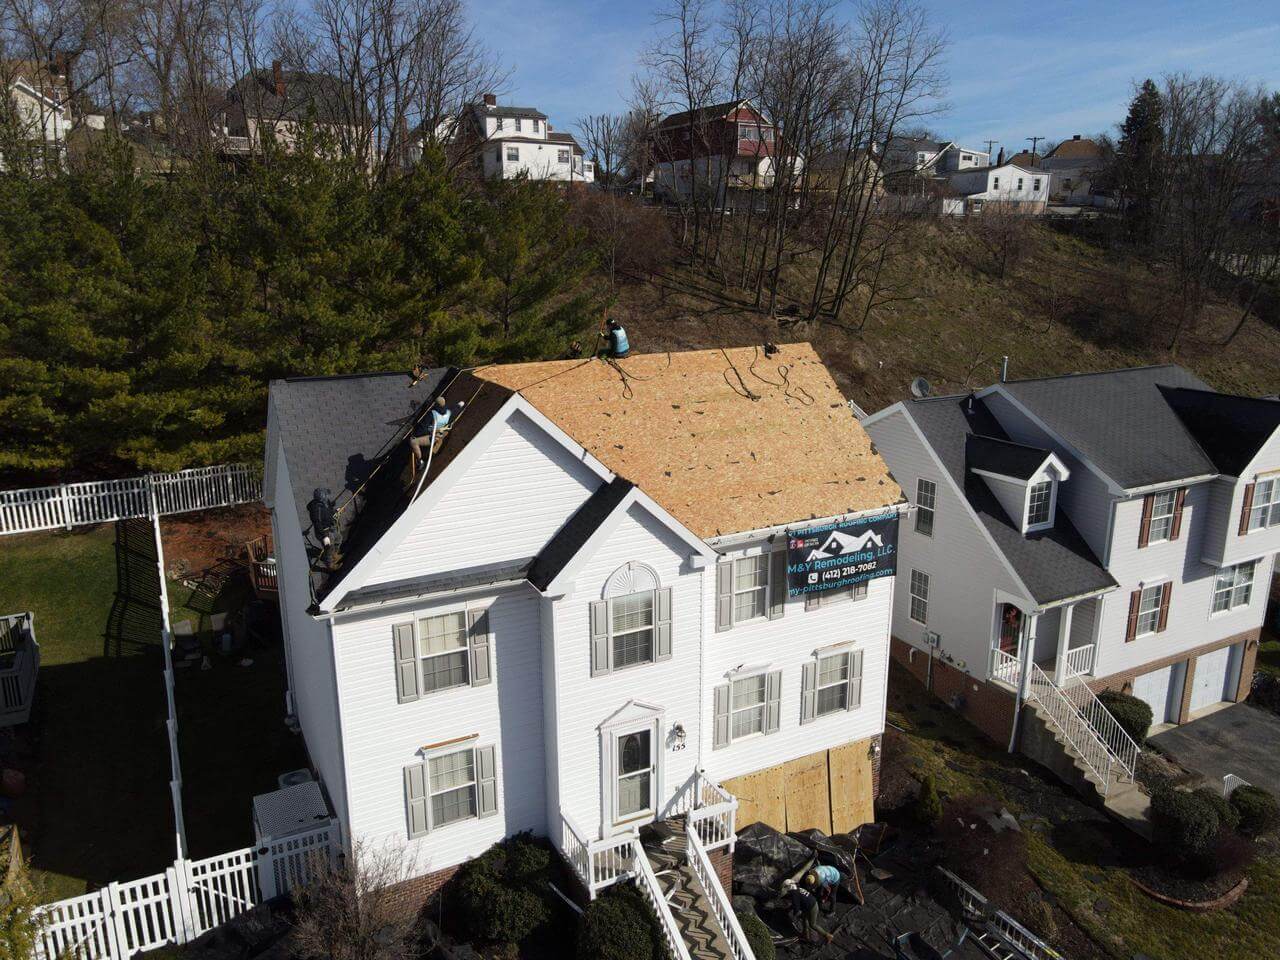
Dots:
{"x": 920, "y": 388}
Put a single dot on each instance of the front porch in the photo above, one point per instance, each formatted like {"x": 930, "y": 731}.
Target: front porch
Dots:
{"x": 1059, "y": 643}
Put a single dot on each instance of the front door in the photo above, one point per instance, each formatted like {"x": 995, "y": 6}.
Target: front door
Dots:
{"x": 636, "y": 779}
{"x": 1010, "y": 628}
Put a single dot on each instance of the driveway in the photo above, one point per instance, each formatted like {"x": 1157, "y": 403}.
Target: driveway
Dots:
{"x": 1239, "y": 739}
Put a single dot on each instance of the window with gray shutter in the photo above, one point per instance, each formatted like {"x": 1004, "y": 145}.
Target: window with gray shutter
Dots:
{"x": 773, "y": 702}
{"x": 724, "y": 595}
{"x": 599, "y": 637}
{"x": 662, "y": 625}
{"x": 854, "y": 699}
{"x": 778, "y": 582}
{"x": 406, "y": 653}
{"x": 479, "y": 641}
{"x": 487, "y": 778}
{"x": 415, "y": 799}
{"x": 808, "y": 691}
{"x": 721, "y": 726}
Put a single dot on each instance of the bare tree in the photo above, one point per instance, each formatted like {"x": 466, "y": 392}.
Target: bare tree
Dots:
{"x": 604, "y": 137}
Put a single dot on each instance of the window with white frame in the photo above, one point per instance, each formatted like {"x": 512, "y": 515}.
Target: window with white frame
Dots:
{"x": 513, "y": 153}
{"x": 631, "y": 628}
{"x": 1265, "y": 511}
{"x": 453, "y": 787}
{"x": 1040, "y": 503}
{"x": 518, "y": 123}
{"x": 499, "y": 123}
{"x": 442, "y": 647}
{"x": 856, "y": 591}
{"x": 1162, "y": 510}
{"x": 919, "y": 596}
{"x": 1035, "y": 184}
{"x": 747, "y": 706}
{"x": 1149, "y": 610}
{"x": 562, "y": 156}
{"x": 995, "y": 183}
{"x": 926, "y": 503}
{"x": 1233, "y": 587}
{"x": 750, "y": 587}
{"x": 839, "y": 679}
{"x": 1019, "y": 183}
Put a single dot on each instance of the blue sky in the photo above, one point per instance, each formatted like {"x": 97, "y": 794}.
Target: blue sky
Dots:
{"x": 1016, "y": 69}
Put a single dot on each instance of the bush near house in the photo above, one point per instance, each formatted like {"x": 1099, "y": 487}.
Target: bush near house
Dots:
{"x": 757, "y": 933}
{"x": 501, "y": 895}
{"x": 1258, "y": 810}
{"x": 619, "y": 925}
{"x": 1228, "y": 816}
{"x": 928, "y": 805}
{"x": 1185, "y": 823}
{"x": 1133, "y": 715}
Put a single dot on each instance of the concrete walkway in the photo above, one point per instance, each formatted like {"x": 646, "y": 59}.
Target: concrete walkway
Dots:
{"x": 1240, "y": 739}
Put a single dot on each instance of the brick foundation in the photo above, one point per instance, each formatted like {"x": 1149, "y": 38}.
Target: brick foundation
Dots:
{"x": 722, "y": 861}
{"x": 414, "y": 896}
{"x": 986, "y": 705}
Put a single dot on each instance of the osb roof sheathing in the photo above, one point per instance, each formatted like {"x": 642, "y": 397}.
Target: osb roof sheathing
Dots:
{"x": 726, "y": 440}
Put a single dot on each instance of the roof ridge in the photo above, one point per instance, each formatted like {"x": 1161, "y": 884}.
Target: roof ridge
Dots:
{"x": 1096, "y": 373}
{"x": 1008, "y": 442}
{"x": 347, "y": 376}
{"x": 1217, "y": 393}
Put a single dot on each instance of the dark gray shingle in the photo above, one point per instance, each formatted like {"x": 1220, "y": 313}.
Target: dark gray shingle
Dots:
{"x": 1004, "y": 457}
{"x": 569, "y": 539}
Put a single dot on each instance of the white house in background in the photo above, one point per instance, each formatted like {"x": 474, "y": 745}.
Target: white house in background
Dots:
{"x": 41, "y": 107}
{"x": 954, "y": 157}
{"x": 577, "y": 620}
{"x": 928, "y": 157}
{"x": 1072, "y": 166}
{"x": 1008, "y": 186}
{"x": 511, "y": 142}
{"x": 1112, "y": 530}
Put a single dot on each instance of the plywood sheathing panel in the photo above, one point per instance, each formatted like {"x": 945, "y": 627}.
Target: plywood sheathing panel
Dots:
{"x": 685, "y": 428}
{"x": 760, "y": 798}
{"x": 852, "y": 798}
{"x": 807, "y": 794}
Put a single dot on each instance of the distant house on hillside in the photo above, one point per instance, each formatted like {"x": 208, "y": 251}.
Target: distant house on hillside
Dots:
{"x": 724, "y": 153}
{"x": 1009, "y": 186}
{"x": 1072, "y": 165}
{"x": 910, "y": 161}
{"x": 37, "y": 110}
{"x": 279, "y": 104}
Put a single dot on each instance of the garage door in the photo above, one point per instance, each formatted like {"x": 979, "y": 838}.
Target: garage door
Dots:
{"x": 1214, "y": 679}
{"x": 1158, "y": 690}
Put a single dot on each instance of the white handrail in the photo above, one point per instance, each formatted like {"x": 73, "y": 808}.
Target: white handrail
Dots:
{"x": 1080, "y": 735}
{"x": 1078, "y": 661}
{"x": 1122, "y": 747}
{"x": 1004, "y": 667}
{"x": 647, "y": 884}
{"x": 718, "y": 900}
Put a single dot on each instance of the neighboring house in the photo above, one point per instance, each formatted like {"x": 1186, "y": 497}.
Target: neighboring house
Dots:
{"x": 724, "y": 154}
{"x": 38, "y": 110}
{"x": 1072, "y": 166}
{"x": 280, "y": 104}
{"x": 509, "y": 142}
{"x": 954, "y": 157}
{"x": 914, "y": 155}
{"x": 1007, "y": 187}
{"x": 578, "y": 620}
{"x": 1112, "y": 530}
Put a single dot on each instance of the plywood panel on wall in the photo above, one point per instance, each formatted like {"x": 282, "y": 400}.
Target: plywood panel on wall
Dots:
{"x": 805, "y": 784}
{"x": 760, "y": 798}
{"x": 852, "y": 800}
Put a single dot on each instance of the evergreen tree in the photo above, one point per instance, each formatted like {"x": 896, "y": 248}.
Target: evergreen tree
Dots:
{"x": 1139, "y": 161}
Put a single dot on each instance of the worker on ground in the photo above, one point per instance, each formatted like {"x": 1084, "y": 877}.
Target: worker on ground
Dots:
{"x": 823, "y": 881}
{"x": 804, "y": 912}
{"x": 617, "y": 345}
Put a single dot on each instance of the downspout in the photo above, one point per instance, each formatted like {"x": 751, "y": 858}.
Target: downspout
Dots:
{"x": 1026, "y": 651}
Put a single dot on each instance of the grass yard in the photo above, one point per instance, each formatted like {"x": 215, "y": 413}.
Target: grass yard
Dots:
{"x": 1086, "y": 879}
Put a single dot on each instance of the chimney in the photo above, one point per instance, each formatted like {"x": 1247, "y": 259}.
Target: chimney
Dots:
{"x": 490, "y": 100}
{"x": 1075, "y": 136}
{"x": 277, "y": 74}
{"x": 1000, "y": 158}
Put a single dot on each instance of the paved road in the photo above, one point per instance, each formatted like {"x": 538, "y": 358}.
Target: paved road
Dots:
{"x": 1240, "y": 739}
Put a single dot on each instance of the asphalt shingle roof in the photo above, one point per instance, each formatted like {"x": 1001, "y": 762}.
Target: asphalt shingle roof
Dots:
{"x": 569, "y": 539}
{"x": 1004, "y": 457}
{"x": 1055, "y": 564}
{"x": 1121, "y": 422}
{"x": 1230, "y": 429}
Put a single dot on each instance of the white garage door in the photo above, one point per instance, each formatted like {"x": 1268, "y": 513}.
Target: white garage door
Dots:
{"x": 1157, "y": 689}
{"x": 1215, "y": 677}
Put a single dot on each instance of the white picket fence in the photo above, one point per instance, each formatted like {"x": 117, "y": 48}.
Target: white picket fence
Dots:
{"x": 69, "y": 505}
{"x": 188, "y": 900}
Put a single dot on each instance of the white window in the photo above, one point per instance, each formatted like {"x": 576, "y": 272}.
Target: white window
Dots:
{"x": 631, "y": 629}
{"x": 839, "y": 678}
{"x": 1162, "y": 507}
{"x": 562, "y": 156}
{"x": 517, "y": 123}
{"x": 750, "y": 587}
{"x": 442, "y": 645}
{"x": 635, "y": 773}
{"x": 1149, "y": 610}
{"x": 919, "y": 596}
{"x": 857, "y": 591}
{"x": 748, "y": 706}
{"x": 453, "y": 787}
{"x": 499, "y": 123}
{"x": 919, "y": 158}
{"x": 1233, "y": 587}
{"x": 926, "y": 501}
{"x": 995, "y": 183}
{"x": 537, "y": 125}
{"x": 1039, "y": 503}
{"x": 965, "y": 158}
{"x": 1265, "y": 511}
{"x": 513, "y": 153}
{"x": 1035, "y": 184}
{"x": 1019, "y": 183}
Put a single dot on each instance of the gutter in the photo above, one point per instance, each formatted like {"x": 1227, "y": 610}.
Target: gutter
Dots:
{"x": 902, "y": 507}
{"x": 331, "y": 615}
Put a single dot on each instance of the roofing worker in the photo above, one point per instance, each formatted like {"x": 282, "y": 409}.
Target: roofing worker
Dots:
{"x": 804, "y": 912}
{"x": 437, "y": 422}
{"x": 619, "y": 347}
{"x": 823, "y": 881}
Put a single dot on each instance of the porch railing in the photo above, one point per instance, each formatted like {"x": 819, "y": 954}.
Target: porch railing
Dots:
{"x": 1005, "y": 667}
{"x": 647, "y": 883}
{"x": 714, "y": 817}
{"x": 598, "y": 863}
{"x": 1078, "y": 661}
{"x": 19, "y": 665}
{"x": 1122, "y": 747}
{"x": 717, "y": 899}
{"x": 1075, "y": 728}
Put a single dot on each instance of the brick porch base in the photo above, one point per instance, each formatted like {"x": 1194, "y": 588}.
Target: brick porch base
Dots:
{"x": 986, "y": 705}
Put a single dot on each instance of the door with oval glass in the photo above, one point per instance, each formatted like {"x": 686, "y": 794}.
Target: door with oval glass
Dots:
{"x": 636, "y": 779}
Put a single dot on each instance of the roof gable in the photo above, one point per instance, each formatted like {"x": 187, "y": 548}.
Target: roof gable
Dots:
{"x": 1230, "y": 429}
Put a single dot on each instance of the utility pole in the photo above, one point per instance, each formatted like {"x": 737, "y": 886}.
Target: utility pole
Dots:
{"x": 990, "y": 144}
{"x": 1034, "y": 142}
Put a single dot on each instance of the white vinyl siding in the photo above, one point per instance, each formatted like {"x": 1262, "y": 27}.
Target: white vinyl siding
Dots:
{"x": 926, "y": 504}
{"x": 1233, "y": 587}
{"x": 919, "y": 596}
{"x": 1265, "y": 511}
{"x": 750, "y": 587}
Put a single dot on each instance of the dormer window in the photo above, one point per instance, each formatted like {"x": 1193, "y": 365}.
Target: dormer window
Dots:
{"x": 1040, "y": 504}
{"x": 1024, "y": 479}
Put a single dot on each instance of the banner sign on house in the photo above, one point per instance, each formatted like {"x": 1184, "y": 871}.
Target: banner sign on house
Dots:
{"x": 841, "y": 554}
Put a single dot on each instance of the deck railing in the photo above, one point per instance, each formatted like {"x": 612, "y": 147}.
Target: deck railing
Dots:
{"x": 1005, "y": 667}
{"x": 69, "y": 505}
{"x": 19, "y": 665}
{"x": 1074, "y": 727}
{"x": 1078, "y": 661}
{"x": 598, "y": 863}
{"x": 717, "y": 899}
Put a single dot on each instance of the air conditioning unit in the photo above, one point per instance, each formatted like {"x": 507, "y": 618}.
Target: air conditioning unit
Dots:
{"x": 294, "y": 777}
{"x": 932, "y": 639}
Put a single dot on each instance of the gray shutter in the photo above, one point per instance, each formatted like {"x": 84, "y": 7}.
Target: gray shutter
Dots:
{"x": 811, "y": 601}
{"x": 478, "y": 639}
{"x": 721, "y": 726}
{"x": 486, "y": 782}
{"x": 724, "y": 595}
{"x": 407, "y": 672}
{"x": 599, "y": 637}
{"x": 662, "y": 624}
{"x": 854, "y": 699}
{"x": 416, "y": 799}
{"x": 778, "y": 582}
{"x": 809, "y": 691}
{"x": 772, "y": 701}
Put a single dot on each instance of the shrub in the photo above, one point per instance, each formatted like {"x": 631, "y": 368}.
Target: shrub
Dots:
{"x": 499, "y": 896}
{"x": 1185, "y": 822}
{"x": 928, "y": 805}
{"x": 620, "y": 926}
{"x": 1227, "y": 814}
{"x": 759, "y": 939}
{"x": 1258, "y": 810}
{"x": 1230, "y": 853}
{"x": 1133, "y": 715}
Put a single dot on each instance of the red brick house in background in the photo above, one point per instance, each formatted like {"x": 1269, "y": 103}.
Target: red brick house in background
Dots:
{"x": 724, "y": 153}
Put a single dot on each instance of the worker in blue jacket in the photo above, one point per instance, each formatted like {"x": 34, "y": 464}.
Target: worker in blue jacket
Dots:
{"x": 617, "y": 343}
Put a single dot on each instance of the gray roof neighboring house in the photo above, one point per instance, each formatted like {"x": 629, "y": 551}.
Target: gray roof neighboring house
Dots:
{"x": 1055, "y": 564}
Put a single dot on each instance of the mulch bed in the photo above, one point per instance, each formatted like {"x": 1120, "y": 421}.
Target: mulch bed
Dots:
{"x": 195, "y": 542}
{"x": 1174, "y": 885}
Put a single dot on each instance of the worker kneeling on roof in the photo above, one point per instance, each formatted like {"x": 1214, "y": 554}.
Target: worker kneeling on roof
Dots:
{"x": 436, "y": 423}
{"x": 617, "y": 337}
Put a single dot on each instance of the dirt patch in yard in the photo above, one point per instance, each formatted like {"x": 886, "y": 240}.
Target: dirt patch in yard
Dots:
{"x": 194, "y": 542}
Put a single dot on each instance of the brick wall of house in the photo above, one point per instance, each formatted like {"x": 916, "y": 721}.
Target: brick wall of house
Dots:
{"x": 722, "y": 861}
{"x": 413, "y": 896}
{"x": 987, "y": 706}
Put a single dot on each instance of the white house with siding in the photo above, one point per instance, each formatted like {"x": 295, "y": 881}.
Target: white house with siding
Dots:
{"x": 1112, "y": 530}
{"x": 1005, "y": 186}
{"x": 512, "y": 141}
{"x": 575, "y": 618}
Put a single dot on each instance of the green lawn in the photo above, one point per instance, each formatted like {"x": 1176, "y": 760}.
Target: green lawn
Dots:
{"x": 964, "y": 762}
